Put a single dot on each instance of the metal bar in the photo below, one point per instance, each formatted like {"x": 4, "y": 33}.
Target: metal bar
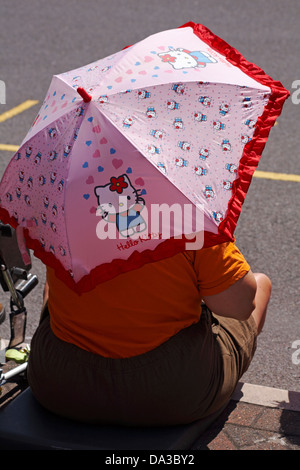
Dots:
{"x": 15, "y": 371}
{"x": 17, "y": 300}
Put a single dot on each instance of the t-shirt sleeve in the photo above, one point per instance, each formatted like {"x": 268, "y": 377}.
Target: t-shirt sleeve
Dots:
{"x": 219, "y": 267}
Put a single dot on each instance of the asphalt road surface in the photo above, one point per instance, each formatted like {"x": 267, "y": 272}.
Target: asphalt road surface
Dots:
{"x": 41, "y": 38}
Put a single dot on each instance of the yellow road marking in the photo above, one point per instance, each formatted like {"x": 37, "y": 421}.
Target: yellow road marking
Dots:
{"x": 9, "y": 148}
{"x": 17, "y": 110}
{"x": 277, "y": 176}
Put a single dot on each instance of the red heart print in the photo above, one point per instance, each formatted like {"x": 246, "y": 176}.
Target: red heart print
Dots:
{"x": 140, "y": 182}
{"x": 90, "y": 180}
{"x": 117, "y": 163}
{"x": 96, "y": 154}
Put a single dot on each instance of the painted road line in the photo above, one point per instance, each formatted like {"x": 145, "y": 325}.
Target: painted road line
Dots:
{"x": 17, "y": 110}
{"x": 9, "y": 148}
{"x": 276, "y": 176}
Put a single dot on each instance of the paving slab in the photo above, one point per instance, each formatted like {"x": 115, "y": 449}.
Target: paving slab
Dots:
{"x": 257, "y": 418}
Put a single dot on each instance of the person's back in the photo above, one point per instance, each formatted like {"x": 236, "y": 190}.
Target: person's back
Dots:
{"x": 137, "y": 311}
{"x": 144, "y": 334}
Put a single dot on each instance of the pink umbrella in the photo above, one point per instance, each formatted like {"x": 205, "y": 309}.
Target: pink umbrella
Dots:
{"x": 131, "y": 155}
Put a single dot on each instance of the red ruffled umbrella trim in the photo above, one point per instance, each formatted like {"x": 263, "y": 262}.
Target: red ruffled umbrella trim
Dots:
{"x": 253, "y": 150}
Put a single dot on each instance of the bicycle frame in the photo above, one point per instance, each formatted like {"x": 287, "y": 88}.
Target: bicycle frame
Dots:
{"x": 19, "y": 283}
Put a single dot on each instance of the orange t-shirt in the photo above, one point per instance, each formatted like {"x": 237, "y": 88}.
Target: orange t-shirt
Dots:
{"x": 139, "y": 310}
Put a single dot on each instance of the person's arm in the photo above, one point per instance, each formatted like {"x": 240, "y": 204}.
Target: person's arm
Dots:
{"x": 237, "y": 301}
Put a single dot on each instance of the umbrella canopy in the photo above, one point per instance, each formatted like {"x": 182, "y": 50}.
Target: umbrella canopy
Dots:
{"x": 133, "y": 154}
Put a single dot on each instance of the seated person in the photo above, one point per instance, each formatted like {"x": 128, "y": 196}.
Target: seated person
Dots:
{"x": 142, "y": 349}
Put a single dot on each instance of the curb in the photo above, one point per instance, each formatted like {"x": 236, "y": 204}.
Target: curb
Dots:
{"x": 267, "y": 396}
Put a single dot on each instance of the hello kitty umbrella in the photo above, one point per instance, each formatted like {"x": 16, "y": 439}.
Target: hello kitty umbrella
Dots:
{"x": 124, "y": 149}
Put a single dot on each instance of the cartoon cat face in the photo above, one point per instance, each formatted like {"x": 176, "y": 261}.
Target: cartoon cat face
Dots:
{"x": 116, "y": 196}
{"x": 181, "y": 58}
{"x": 178, "y": 58}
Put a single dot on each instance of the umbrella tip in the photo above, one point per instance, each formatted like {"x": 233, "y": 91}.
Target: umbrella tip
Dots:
{"x": 84, "y": 95}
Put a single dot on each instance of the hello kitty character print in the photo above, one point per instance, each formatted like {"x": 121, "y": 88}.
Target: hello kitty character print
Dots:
{"x": 120, "y": 203}
{"x": 181, "y": 58}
